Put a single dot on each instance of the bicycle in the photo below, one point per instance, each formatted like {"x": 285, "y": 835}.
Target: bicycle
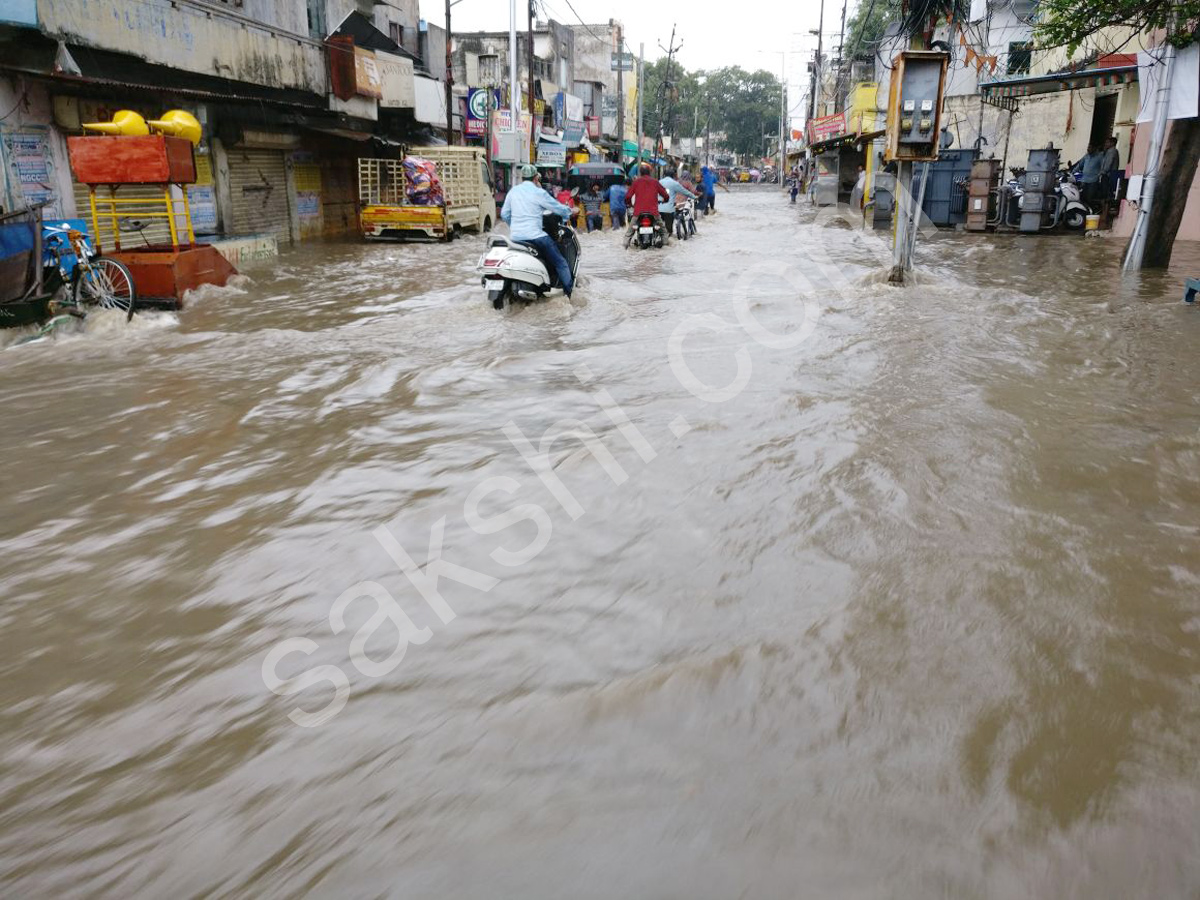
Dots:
{"x": 93, "y": 280}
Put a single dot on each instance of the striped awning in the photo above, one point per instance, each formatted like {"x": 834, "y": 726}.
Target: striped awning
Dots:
{"x": 1060, "y": 81}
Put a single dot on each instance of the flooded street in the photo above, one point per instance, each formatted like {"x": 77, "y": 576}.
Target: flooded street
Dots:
{"x": 902, "y": 607}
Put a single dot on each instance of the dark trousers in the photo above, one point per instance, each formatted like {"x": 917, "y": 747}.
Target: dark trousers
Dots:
{"x": 551, "y": 253}
{"x": 618, "y": 217}
{"x": 595, "y": 221}
{"x": 711, "y": 200}
{"x": 668, "y": 222}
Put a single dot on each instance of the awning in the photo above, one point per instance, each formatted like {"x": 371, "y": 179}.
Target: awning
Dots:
{"x": 1059, "y": 81}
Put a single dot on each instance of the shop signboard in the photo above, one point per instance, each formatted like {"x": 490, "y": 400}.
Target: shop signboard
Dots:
{"x": 396, "y": 81}
{"x": 477, "y": 109}
{"x": 551, "y": 153}
{"x": 826, "y": 127}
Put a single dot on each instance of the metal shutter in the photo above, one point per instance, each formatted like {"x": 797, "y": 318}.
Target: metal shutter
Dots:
{"x": 258, "y": 183}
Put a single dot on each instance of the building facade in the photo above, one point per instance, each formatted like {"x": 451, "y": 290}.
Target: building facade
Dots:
{"x": 289, "y": 92}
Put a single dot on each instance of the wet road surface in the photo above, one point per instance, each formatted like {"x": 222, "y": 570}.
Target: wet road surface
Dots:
{"x": 904, "y": 606}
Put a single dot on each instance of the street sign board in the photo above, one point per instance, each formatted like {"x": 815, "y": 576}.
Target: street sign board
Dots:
{"x": 623, "y": 61}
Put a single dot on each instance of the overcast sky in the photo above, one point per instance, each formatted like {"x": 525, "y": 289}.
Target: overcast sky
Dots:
{"x": 714, "y": 32}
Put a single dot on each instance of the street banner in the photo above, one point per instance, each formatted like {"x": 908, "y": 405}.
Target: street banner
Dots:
{"x": 826, "y": 127}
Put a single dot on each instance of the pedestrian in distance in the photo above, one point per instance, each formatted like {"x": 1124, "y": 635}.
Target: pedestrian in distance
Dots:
{"x": 795, "y": 187}
{"x": 593, "y": 210}
{"x": 616, "y": 202}
{"x": 523, "y": 209}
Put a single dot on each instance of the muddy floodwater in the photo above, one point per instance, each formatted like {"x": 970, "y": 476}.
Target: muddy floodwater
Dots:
{"x": 831, "y": 590}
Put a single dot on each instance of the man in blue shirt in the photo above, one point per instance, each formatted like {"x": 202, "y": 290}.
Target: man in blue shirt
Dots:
{"x": 616, "y": 203}
{"x": 708, "y": 178}
{"x": 523, "y": 209}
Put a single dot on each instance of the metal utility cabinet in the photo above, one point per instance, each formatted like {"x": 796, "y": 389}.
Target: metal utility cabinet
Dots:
{"x": 1039, "y": 187}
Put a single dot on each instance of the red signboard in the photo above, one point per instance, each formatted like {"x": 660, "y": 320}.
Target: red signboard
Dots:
{"x": 593, "y": 126}
{"x": 826, "y": 127}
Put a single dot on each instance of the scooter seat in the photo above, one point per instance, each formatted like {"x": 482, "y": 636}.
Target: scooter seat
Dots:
{"x": 499, "y": 240}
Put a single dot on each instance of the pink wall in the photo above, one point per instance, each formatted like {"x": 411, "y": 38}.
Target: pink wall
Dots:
{"x": 1189, "y": 228}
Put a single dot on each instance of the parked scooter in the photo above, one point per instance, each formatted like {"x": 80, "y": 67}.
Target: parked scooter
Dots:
{"x": 647, "y": 232}
{"x": 685, "y": 218}
{"x": 512, "y": 271}
{"x": 1065, "y": 207}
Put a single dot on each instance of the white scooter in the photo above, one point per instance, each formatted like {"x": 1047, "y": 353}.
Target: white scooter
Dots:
{"x": 512, "y": 271}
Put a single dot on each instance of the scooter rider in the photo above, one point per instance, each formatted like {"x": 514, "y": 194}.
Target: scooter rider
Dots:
{"x": 523, "y": 209}
{"x": 643, "y": 195}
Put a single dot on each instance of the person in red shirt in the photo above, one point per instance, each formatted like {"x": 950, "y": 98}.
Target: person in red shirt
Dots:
{"x": 643, "y": 197}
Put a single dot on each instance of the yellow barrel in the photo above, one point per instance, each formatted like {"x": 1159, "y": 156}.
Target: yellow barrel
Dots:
{"x": 1092, "y": 222}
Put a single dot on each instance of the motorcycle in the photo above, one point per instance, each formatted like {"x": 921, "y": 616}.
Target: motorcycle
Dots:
{"x": 685, "y": 219}
{"x": 648, "y": 232}
{"x": 1066, "y": 206}
{"x": 511, "y": 270}
{"x": 1070, "y": 210}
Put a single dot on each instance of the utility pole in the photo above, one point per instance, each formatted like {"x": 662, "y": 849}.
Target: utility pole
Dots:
{"x": 620, "y": 94}
{"x": 1162, "y": 102}
{"x": 708, "y": 126}
{"x": 665, "y": 113}
{"x": 514, "y": 90}
{"x": 449, "y": 82}
{"x": 529, "y": 63}
{"x": 841, "y": 72}
{"x": 782, "y": 116}
{"x": 817, "y": 68}
{"x": 641, "y": 84}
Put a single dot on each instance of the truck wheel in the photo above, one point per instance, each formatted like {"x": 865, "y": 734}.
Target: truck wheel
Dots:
{"x": 487, "y": 224}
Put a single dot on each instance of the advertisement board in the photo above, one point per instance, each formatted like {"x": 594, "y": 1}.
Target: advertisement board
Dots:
{"x": 568, "y": 113}
{"x": 506, "y": 147}
{"x": 826, "y": 127}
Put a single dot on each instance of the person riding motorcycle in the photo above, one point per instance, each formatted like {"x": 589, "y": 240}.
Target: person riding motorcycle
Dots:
{"x": 643, "y": 195}
{"x": 523, "y": 209}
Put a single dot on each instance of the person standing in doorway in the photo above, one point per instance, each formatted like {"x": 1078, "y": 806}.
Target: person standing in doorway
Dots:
{"x": 1110, "y": 168}
{"x": 1089, "y": 174}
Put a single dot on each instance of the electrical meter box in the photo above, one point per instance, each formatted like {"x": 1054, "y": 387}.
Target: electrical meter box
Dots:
{"x": 915, "y": 105}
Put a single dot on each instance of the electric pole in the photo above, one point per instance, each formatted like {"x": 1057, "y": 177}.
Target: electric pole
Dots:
{"x": 532, "y": 112}
{"x": 641, "y": 84}
{"x": 620, "y": 97}
{"x": 449, "y": 82}
{"x": 664, "y": 114}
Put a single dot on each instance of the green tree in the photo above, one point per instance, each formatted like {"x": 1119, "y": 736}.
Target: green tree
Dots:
{"x": 1071, "y": 23}
{"x": 865, "y": 29}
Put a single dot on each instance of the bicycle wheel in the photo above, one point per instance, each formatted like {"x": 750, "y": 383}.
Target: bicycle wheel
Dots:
{"x": 107, "y": 283}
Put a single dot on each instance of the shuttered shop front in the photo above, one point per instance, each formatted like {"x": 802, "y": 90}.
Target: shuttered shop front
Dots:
{"x": 258, "y": 184}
